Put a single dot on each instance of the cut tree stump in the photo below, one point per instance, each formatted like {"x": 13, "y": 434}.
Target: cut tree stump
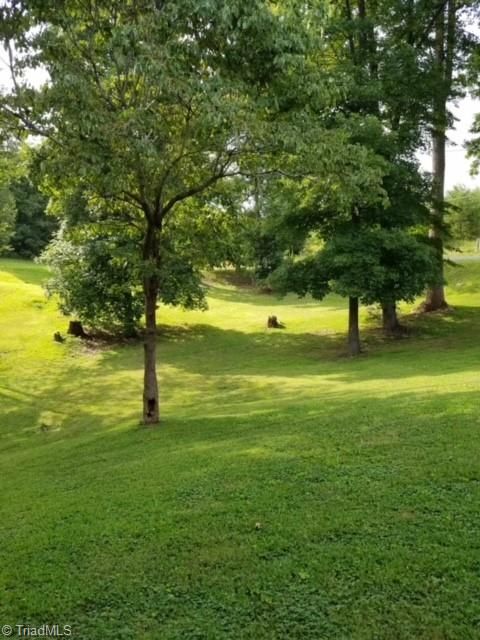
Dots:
{"x": 57, "y": 336}
{"x": 273, "y": 323}
{"x": 75, "y": 328}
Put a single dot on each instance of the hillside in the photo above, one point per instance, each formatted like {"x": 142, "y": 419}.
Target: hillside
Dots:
{"x": 290, "y": 491}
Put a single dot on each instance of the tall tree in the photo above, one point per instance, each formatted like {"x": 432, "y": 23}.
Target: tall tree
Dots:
{"x": 374, "y": 251}
{"x": 8, "y": 213}
{"x": 442, "y": 37}
{"x": 418, "y": 50}
{"x": 473, "y": 145}
{"x": 385, "y": 113}
{"x": 445, "y": 43}
{"x": 148, "y": 105}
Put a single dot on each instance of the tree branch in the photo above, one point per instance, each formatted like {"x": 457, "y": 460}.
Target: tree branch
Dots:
{"x": 28, "y": 124}
{"x": 188, "y": 193}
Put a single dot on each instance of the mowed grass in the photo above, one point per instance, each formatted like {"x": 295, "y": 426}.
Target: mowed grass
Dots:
{"x": 290, "y": 491}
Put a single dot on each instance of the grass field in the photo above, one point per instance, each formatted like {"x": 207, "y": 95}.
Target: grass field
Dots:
{"x": 463, "y": 249}
{"x": 290, "y": 492}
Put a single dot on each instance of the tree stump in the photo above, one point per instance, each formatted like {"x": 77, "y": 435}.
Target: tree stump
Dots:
{"x": 57, "y": 336}
{"x": 75, "y": 328}
{"x": 273, "y": 323}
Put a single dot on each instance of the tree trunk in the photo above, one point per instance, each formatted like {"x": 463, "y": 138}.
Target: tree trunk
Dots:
{"x": 444, "y": 55}
{"x": 151, "y": 403}
{"x": 389, "y": 317}
{"x": 353, "y": 330}
{"x": 436, "y": 293}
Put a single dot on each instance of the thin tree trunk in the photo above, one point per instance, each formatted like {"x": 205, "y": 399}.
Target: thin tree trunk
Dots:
{"x": 436, "y": 294}
{"x": 353, "y": 329}
{"x": 351, "y": 41}
{"x": 363, "y": 38}
{"x": 390, "y": 321}
{"x": 151, "y": 403}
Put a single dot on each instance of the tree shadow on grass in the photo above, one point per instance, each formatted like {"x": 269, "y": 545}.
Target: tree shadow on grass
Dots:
{"x": 228, "y": 285}
{"x": 358, "y": 427}
{"x": 376, "y": 499}
{"x": 226, "y": 373}
{"x": 25, "y": 270}
{"x": 457, "y": 322}
{"x": 229, "y": 375}
{"x": 204, "y": 348}
{"x": 252, "y": 296}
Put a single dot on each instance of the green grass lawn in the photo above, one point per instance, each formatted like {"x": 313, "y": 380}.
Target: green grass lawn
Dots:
{"x": 290, "y": 492}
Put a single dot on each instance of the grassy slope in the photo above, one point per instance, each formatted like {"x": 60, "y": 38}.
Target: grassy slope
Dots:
{"x": 463, "y": 249}
{"x": 363, "y": 474}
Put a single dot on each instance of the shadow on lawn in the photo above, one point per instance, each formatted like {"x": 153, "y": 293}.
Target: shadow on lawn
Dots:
{"x": 459, "y": 324}
{"x": 332, "y": 433}
{"x": 230, "y": 286}
{"x": 28, "y": 272}
{"x": 252, "y": 296}
{"x": 202, "y": 348}
{"x": 229, "y": 375}
{"x": 238, "y": 378}
{"x": 214, "y": 410}
{"x": 380, "y": 495}
{"x": 210, "y": 351}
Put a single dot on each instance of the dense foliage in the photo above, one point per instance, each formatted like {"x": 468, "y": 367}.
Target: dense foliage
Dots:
{"x": 33, "y": 226}
{"x": 8, "y": 214}
{"x": 8, "y": 209}
{"x": 464, "y": 213}
{"x": 93, "y": 280}
{"x": 97, "y": 281}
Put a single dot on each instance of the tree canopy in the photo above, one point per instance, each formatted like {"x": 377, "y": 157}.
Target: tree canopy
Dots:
{"x": 149, "y": 104}
{"x": 464, "y": 213}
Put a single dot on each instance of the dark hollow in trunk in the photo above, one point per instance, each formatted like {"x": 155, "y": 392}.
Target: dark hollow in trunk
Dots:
{"x": 151, "y": 409}
{"x": 75, "y": 328}
{"x": 390, "y": 322}
{"x": 353, "y": 329}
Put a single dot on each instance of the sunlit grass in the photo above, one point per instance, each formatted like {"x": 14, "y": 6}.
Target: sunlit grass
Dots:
{"x": 290, "y": 492}
{"x": 463, "y": 248}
